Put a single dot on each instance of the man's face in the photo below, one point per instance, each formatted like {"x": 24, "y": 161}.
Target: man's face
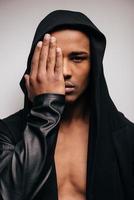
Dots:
{"x": 75, "y": 47}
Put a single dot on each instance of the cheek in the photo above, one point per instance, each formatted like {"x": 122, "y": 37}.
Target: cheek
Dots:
{"x": 83, "y": 76}
{"x": 84, "y": 81}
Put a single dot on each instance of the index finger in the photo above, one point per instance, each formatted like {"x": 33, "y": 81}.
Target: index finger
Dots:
{"x": 35, "y": 59}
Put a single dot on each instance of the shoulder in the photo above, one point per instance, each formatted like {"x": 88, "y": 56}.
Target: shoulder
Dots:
{"x": 15, "y": 118}
{"x": 12, "y": 126}
{"x": 129, "y": 125}
{"x": 124, "y": 135}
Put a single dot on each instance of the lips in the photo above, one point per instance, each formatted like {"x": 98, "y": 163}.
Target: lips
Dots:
{"x": 69, "y": 87}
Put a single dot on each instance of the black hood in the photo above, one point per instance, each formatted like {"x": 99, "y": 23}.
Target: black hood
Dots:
{"x": 76, "y": 20}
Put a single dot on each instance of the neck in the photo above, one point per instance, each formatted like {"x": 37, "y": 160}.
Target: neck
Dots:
{"x": 79, "y": 110}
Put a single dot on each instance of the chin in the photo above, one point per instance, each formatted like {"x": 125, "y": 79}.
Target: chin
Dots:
{"x": 73, "y": 98}
{"x": 70, "y": 99}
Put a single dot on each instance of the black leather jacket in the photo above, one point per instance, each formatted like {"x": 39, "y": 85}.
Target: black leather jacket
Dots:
{"x": 24, "y": 164}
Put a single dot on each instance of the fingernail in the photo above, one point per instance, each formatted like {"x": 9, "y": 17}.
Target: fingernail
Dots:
{"x": 58, "y": 50}
{"x": 53, "y": 39}
{"x": 39, "y": 44}
{"x": 47, "y": 36}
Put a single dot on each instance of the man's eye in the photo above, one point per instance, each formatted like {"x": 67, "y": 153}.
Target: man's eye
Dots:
{"x": 78, "y": 59}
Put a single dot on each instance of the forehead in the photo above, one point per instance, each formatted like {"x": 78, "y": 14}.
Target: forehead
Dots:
{"x": 73, "y": 39}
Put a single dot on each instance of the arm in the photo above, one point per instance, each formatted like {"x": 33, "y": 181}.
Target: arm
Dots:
{"x": 23, "y": 168}
{"x": 26, "y": 166}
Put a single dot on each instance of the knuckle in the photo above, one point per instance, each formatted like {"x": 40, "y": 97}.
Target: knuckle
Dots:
{"x": 40, "y": 77}
{"x": 45, "y": 43}
{"x": 43, "y": 57}
{"x": 52, "y": 44}
{"x": 49, "y": 60}
{"x": 57, "y": 66}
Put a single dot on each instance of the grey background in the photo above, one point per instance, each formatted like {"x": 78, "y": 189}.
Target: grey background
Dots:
{"x": 18, "y": 21}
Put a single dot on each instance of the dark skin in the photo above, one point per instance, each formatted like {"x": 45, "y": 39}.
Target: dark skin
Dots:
{"x": 61, "y": 65}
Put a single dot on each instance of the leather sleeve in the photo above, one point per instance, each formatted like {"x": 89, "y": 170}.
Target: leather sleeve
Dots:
{"x": 24, "y": 168}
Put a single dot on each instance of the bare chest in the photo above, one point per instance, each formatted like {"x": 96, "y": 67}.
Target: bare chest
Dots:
{"x": 71, "y": 162}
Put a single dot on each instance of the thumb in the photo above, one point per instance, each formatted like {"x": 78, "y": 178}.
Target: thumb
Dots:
{"x": 26, "y": 76}
{"x": 27, "y": 83}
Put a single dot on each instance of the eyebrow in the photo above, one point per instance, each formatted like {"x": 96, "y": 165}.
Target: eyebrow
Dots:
{"x": 74, "y": 53}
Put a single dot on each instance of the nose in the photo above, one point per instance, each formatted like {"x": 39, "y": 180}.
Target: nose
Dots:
{"x": 67, "y": 73}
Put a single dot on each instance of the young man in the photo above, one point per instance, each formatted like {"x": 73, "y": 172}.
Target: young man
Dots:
{"x": 69, "y": 142}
